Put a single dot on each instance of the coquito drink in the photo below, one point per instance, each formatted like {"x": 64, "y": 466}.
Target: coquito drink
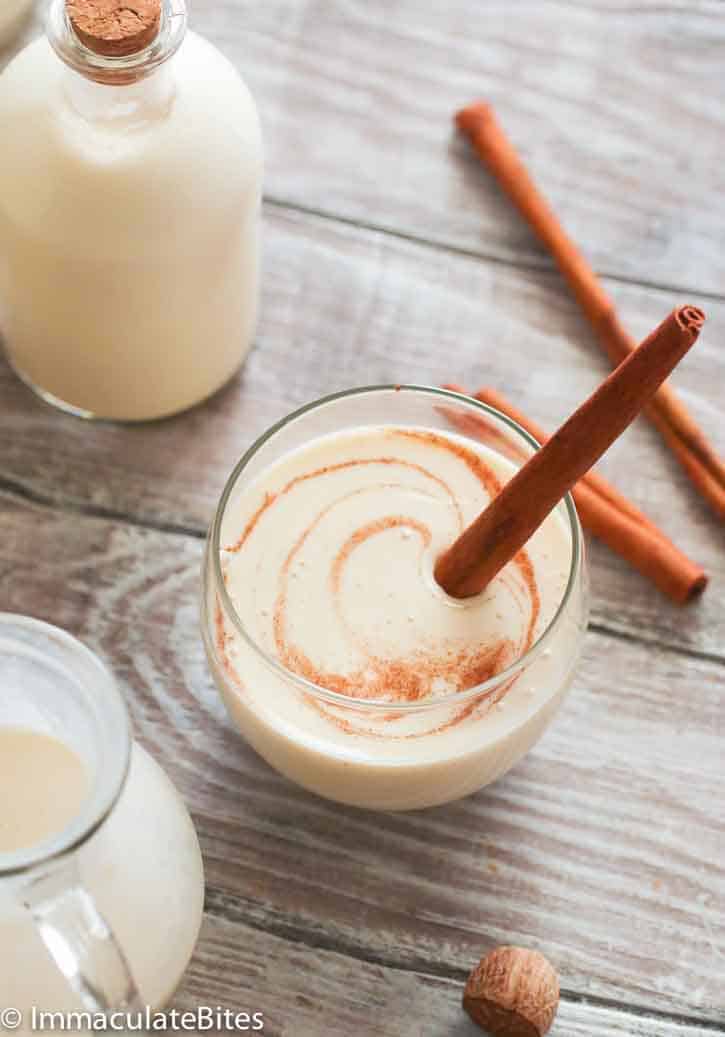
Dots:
{"x": 129, "y": 204}
{"x": 338, "y": 654}
{"x": 94, "y": 839}
{"x": 31, "y": 764}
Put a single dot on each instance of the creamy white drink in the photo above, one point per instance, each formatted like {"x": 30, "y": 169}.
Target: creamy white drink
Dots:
{"x": 43, "y": 785}
{"x": 327, "y": 563}
{"x": 93, "y": 837}
{"x": 128, "y": 229}
{"x": 142, "y": 868}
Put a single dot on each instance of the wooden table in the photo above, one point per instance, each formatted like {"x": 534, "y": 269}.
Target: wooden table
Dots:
{"x": 390, "y": 255}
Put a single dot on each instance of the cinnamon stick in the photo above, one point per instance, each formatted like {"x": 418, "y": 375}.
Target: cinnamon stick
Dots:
{"x": 503, "y": 528}
{"x": 612, "y": 518}
{"x": 679, "y": 430}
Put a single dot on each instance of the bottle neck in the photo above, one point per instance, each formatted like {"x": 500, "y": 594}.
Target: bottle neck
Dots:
{"x": 120, "y": 73}
{"x": 128, "y": 106}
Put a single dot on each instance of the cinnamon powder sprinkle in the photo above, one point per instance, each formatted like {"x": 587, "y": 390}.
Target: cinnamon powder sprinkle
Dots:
{"x": 272, "y": 498}
{"x": 403, "y": 680}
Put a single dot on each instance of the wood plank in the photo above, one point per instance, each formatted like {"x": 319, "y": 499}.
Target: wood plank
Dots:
{"x": 604, "y": 847}
{"x": 343, "y": 307}
{"x": 31, "y": 27}
{"x": 617, "y": 110}
{"x": 307, "y": 992}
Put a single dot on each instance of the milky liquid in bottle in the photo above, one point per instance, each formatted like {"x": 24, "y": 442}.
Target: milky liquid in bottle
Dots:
{"x": 129, "y": 204}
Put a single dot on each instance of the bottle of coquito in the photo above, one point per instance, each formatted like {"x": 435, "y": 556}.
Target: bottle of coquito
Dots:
{"x": 129, "y": 205}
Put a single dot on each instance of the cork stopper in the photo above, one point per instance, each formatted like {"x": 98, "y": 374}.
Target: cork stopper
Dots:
{"x": 115, "y": 28}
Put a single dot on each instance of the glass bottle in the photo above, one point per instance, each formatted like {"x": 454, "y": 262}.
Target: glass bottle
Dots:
{"x": 129, "y": 204}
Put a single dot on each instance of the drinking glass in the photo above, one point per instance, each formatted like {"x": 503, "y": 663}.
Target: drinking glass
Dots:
{"x": 364, "y": 752}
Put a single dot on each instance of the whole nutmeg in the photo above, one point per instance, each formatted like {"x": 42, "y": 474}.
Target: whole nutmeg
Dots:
{"x": 513, "y": 992}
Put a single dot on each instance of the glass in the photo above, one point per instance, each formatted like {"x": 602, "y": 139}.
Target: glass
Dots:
{"x": 384, "y": 766}
{"x": 70, "y": 904}
{"x": 129, "y": 221}
{"x": 130, "y": 68}
{"x": 100, "y": 90}
{"x": 53, "y": 685}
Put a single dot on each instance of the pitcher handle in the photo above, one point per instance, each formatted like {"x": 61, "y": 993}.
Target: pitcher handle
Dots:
{"x": 79, "y": 939}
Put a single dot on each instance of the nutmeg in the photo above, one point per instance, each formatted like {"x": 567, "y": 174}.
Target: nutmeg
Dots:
{"x": 513, "y": 992}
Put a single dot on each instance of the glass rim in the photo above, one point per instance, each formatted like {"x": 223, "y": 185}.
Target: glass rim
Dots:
{"x": 349, "y": 701}
{"x": 115, "y": 69}
{"x": 95, "y": 809}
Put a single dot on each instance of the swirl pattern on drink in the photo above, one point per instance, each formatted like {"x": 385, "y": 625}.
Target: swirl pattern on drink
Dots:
{"x": 329, "y": 566}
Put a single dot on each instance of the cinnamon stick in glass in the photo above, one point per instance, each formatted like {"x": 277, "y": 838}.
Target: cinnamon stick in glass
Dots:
{"x": 667, "y": 412}
{"x": 612, "y": 518}
{"x": 503, "y": 528}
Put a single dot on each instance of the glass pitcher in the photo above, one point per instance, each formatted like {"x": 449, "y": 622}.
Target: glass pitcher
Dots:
{"x": 104, "y": 913}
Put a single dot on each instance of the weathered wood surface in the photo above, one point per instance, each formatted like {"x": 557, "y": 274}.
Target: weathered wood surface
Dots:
{"x": 304, "y": 990}
{"x": 618, "y": 108}
{"x": 604, "y": 847}
{"x": 343, "y": 306}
